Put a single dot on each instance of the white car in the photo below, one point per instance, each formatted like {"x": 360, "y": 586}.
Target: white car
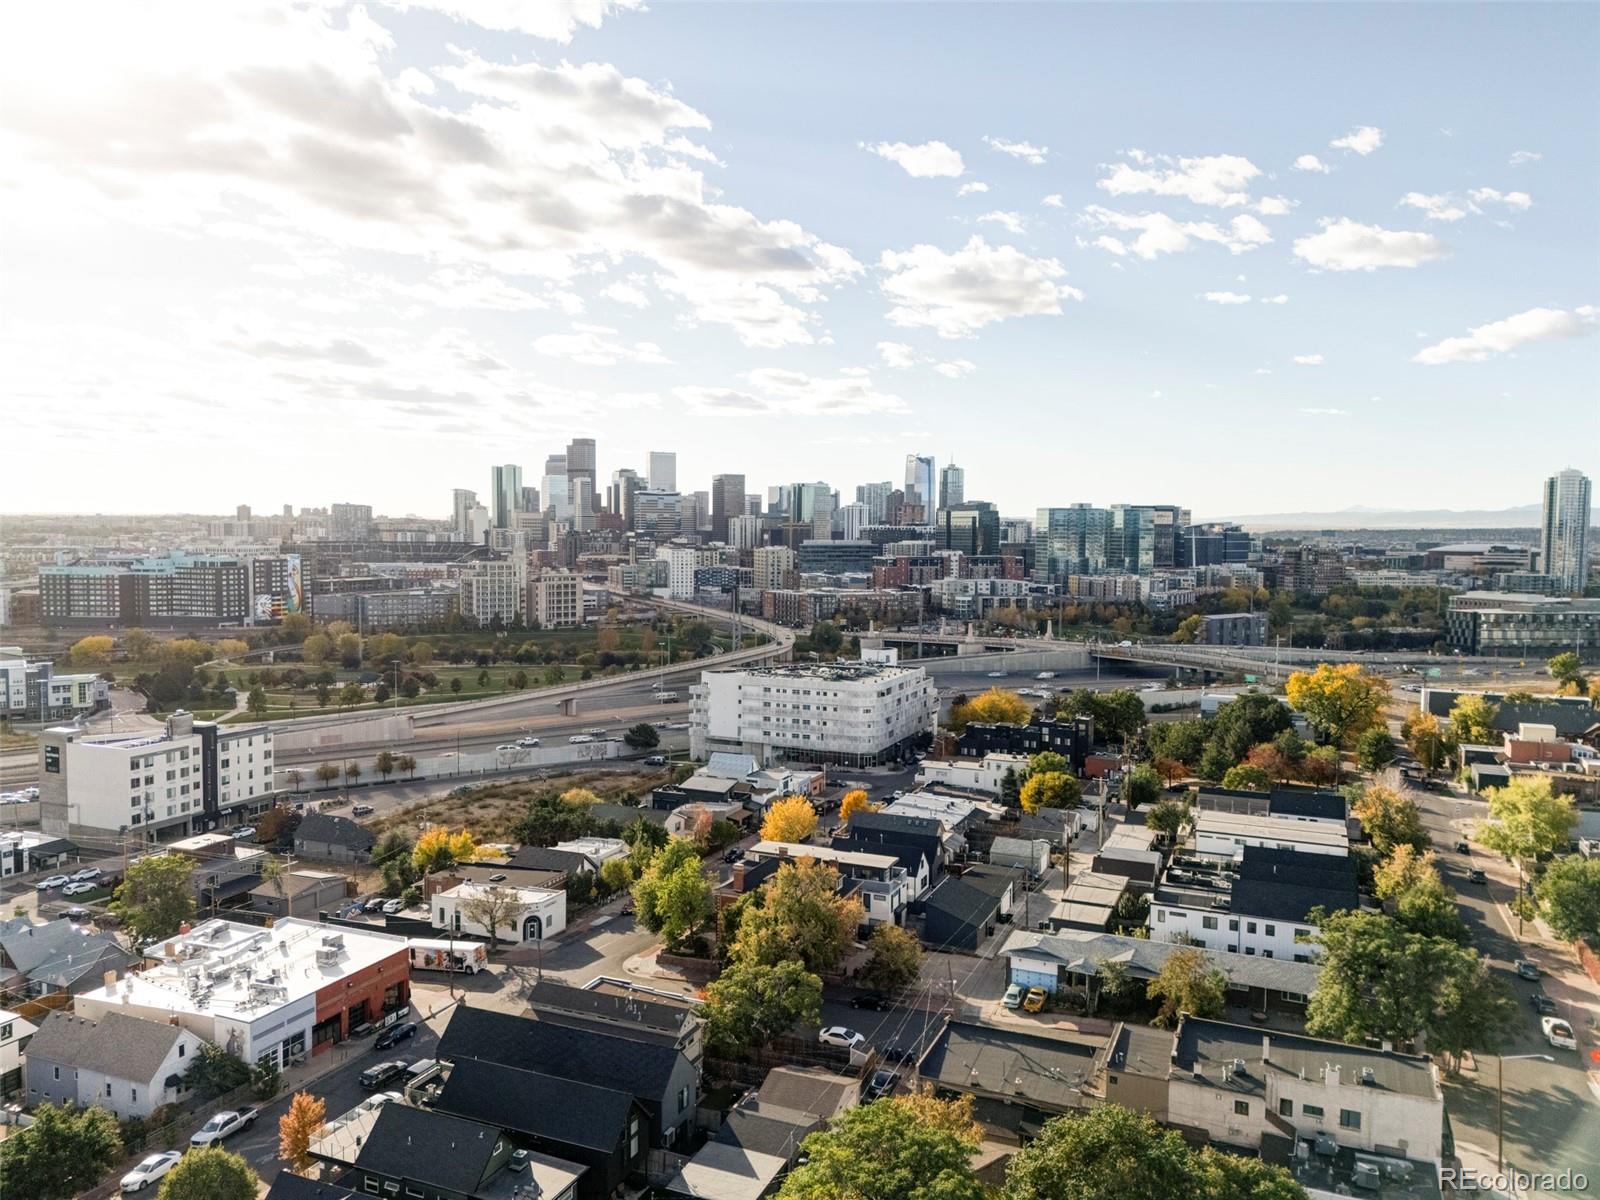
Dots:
{"x": 579, "y": 739}
{"x": 243, "y": 834}
{"x": 1125, "y": 645}
{"x": 997, "y": 674}
{"x": 224, "y": 1125}
{"x": 506, "y": 747}
{"x": 393, "y": 906}
{"x": 1558, "y": 1033}
{"x": 54, "y": 881}
{"x": 150, "y": 1170}
{"x": 86, "y": 873}
{"x": 838, "y": 1035}
{"x": 78, "y": 888}
{"x": 528, "y": 743}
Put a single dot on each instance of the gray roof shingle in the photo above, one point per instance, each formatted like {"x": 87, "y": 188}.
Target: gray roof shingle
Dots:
{"x": 118, "y": 1045}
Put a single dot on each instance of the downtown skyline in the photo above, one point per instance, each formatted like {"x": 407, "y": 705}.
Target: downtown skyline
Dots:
{"x": 362, "y": 254}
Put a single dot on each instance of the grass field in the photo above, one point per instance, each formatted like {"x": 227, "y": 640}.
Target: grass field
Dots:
{"x": 492, "y": 811}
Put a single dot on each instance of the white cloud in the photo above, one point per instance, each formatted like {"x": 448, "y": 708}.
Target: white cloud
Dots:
{"x": 1278, "y": 299}
{"x": 896, "y": 354}
{"x": 1518, "y": 157}
{"x": 955, "y": 368}
{"x": 1308, "y": 360}
{"x": 1227, "y": 297}
{"x": 1219, "y": 180}
{"x": 957, "y": 293}
{"x": 627, "y": 292}
{"x": 1262, "y": 371}
{"x": 1009, "y": 221}
{"x": 1325, "y": 412}
{"x": 772, "y": 391}
{"x": 1501, "y": 337}
{"x": 1346, "y": 245}
{"x": 554, "y": 22}
{"x": 972, "y": 189}
{"x": 595, "y": 346}
{"x": 1362, "y": 141}
{"x": 1161, "y": 234}
{"x": 1310, "y": 162}
{"x": 1111, "y": 245}
{"x": 1026, "y": 152}
{"x": 1054, "y": 200}
{"x": 1274, "y": 206}
{"x": 929, "y": 160}
{"x": 1435, "y": 208}
{"x": 1520, "y": 201}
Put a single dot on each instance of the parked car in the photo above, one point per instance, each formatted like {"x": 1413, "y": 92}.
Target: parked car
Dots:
{"x": 375, "y": 904}
{"x": 1558, "y": 1033}
{"x": 901, "y": 1054}
{"x": 1013, "y": 996}
{"x": 1476, "y": 875}
{"x": 732, "y": 854}
{"x": 243, "y": 834}
{"x": 1527, "y": 968}
{"x": 395, "y": 1034}
{"x": 54, "y": 881}
{"x": 393, "y": 906}
{"x": 1542, "y": 1003}
{"x": 883, "y": 1081}
{"x": 78, "y": 889}
{"x": 77, "y": 913}
{"x": 1035, "y": 1000}
{"x": 380, "y": 1074}
{"x": 876, "y": 1001}
{"x": 224, "y": 1125}
{"x": 839, "y": 1036}
{"x": 149, "y": 1170}
{"x": 656, "y": 760}
{"x": 87, "y": 873}
{"x": 361, "y": 810}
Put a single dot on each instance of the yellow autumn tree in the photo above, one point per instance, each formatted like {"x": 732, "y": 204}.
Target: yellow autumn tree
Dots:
{"x": 579, "y": 797}
{"x": 855, "y": 801}
{"x": 1342, "y": 701}
{"x": 995, "y": 706}
{"x": 789, "y": 819}
{"x": 438, "y": 848}
{"x": 298, "y": 1127}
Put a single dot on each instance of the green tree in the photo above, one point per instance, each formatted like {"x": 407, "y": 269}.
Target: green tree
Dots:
{"x": 1527, "y": 819}
{"x": 1181, "y": 741}
{"x": 888, "y": 1150}
{"x": 1052, "y": 789}
{"x": 384, "y": 764}
{"x": 155, "y": 896}
{"x": 1566, "y": 669}
{"x": 896, "y": 958}
{"x": 1219, "y": 1175}
{"x": 139, "y": 645}
{"x": 1569, "y": 892}
{"x": 62, "y": 1154}
{"x": 1188, "y": 983}
{"x": 1011, "y": 788}
{"x": 1428, "y": 740}
{"x": 1047, "y": 762}
{"x": 751, "y": 1003}
{"x": 1141, "y": 786}
{"x": 1240, "y": 724}
{"x": 1390, "y": 820}
{"x": 673, "y": 894}
{"x": 1118, "y": 716}
{"x": 351, "y": 694}
{"x": 1472, "y": 720}
{"x": 256, "y": 702}
{"x": 1374, "y": 749}
{"x": 324, "y": 694}
{"x": 317, "y": 649}
{"x": 1168, "y": 818}
{"x": 326, "y": 773}
{"x": 801, "y": 917}
{"x": 1247, "y": 778}
{"x": 1342, "y": 701}
{"x": 1108, "y": 1153}
{"x": 210, "y": 1173}
{"x": 352, "y": 771}
{"x": 642, "y": 736}
{"x": 1473, "y": 1010}
{"x": 616, "y": 874}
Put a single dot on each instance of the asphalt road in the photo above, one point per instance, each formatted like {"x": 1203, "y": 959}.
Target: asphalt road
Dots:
{"x": 1552, "y": 1117}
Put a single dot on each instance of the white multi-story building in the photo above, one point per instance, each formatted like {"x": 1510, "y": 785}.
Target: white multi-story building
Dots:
{"x": 195, "y": 776}
{"x": 967, "y": 598}
{"x": 846, "y": 712}
{"x": 1226, "y": 834}
{"x": 492, "y": 591}
{"x": 1564, "y": 530}
{"x": 555, "y": 598}
{"x": 774, "y": 567}
{"x": 744, "y": 532}
{"x": 32, "y": 691}
{"x": 681, "y": 564}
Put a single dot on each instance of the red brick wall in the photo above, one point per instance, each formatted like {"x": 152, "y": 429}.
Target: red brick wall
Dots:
{"x": 368, "y": 984}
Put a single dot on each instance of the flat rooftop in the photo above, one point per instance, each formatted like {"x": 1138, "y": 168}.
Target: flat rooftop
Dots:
{"x": 850, "y": 858}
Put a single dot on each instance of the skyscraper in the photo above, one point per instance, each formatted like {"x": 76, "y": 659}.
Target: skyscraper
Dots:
{"x": 1069, "y": 541}
{"x": 727, "y": 500}
{"x": 876, "y": 497}
{"x": 663, "y": 471}
{"x": 462, "y": 502}
{"x": 1564, "y": 531}
{"x": 507, "y": 491}
{"x": 580, "y": 475}
{"x": 625, "y": 484}
{"x": 952, "y": 486}
{"x": 919, "y": 478}
{"x": 553, "y": 487}
{"x": 972, "y": 528}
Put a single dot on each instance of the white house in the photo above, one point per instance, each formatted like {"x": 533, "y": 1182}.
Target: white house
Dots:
{"x": 125, "y": 1064}
{"x": 984, "y": 775}
{"x": 1226, "y": 834}
{"x": 14, "y": 1034}
{"x": 531, "y": 914}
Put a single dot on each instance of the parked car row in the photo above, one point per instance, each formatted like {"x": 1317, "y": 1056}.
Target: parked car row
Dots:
{"x": 74, "y": 884}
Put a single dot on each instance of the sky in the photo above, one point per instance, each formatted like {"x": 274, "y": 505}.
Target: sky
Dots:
{"x": 1243, "y": 258}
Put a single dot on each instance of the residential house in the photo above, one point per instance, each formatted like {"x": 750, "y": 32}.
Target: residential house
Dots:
{"x": 967, "y": 908}
{"x": 57, "y": 956}
{"x": 418, "y": 1152}
{"x": 1070, "y": 737}
{"x": 596, "y": 851}
{"x": 1264, "y": 908}
{"x": 298, "y": 894}
{"x": 1089, "y": 905}
{"x": 15, "y": 1030}
{"x": 1018, "y": 1079}
{"x": 528, "y": 914}
{"x": 746, "y": 1158}
{"x": 986, "y": 774}
{"x": 812, "y": 1090}
{"x": 879, "y": 880}
{"x": 1225, "y": 835}
{"x": 686, "y": 818}
{"x": 657, "y": 1074}
{"x": 913, "y": 860}
{"x": 333, "y": 839}
{"x": 613, "y": 1006}
{"x": 125, "y": 1064}
{"x": 924, "y": 833}
{"x": 563, "y": 864}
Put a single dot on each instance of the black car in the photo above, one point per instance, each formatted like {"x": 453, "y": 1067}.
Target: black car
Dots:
{"x": 376, "y": 1076}
{"x": 732, "y": 854}
{"x": 394, "y": 1035}
{"x": 1463, "y": 848}
{"x": 876, "y": 1001}
{"x": 900, "y": 1054}
{"x": 1542, "y": 1004}
{"x": 1476, "y": 875}
{"x": 882, "y": 1084}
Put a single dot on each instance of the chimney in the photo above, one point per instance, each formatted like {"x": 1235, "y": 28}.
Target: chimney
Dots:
{"x": 1266, "y": 1048}
{"x": 109, "y": 978}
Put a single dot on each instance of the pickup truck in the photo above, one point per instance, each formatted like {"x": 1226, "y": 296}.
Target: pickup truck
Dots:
{"x": 224, "y": 1125}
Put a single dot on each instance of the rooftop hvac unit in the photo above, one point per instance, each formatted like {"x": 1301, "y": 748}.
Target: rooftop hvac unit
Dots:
{"x": 327, "y": 956}
{"x": 1367, "y": 1177}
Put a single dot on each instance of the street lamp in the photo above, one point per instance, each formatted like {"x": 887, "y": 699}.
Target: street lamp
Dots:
{"x": 1500, "y": 1104}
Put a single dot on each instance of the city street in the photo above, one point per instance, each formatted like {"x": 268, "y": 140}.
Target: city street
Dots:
{"x": 1552, "y": 1111}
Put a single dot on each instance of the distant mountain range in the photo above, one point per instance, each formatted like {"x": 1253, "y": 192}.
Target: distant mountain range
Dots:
{"x": 1526, "y": 516}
